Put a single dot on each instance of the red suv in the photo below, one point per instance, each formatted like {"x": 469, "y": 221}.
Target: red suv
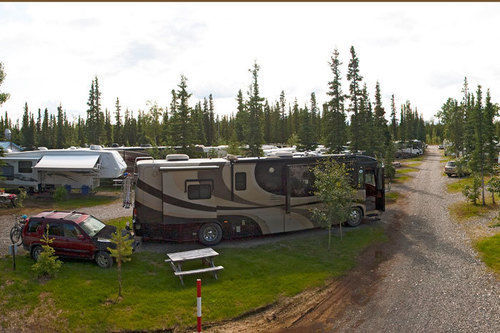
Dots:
{"x": 74, "y": 235}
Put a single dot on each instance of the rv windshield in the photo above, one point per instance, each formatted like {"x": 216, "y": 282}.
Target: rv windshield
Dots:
{"x": 92, "y": 226}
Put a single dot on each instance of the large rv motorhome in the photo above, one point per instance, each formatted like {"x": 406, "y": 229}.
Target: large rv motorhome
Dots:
{"x": 183, "y": 199}
{"x": 42, "y": 169}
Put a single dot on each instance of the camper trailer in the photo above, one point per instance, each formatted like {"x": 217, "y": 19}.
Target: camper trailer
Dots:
{"x": 181, "y": 199}
{"x": 44, "y": 168}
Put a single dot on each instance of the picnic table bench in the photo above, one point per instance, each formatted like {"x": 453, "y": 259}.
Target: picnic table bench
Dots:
{"x": 206, "y": 255}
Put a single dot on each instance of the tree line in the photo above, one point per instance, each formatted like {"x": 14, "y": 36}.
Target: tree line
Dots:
{"x": 470, "y": 128}
{"x": 350, "y": 117}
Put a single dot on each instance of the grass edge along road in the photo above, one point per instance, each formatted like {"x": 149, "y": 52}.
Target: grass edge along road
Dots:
{"x": 82, "y": 294}
{"x": 489, "y": 249}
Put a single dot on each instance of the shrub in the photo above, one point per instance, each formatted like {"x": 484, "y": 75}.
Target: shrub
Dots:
{"x": 60, "y": 194}
{"x": 47, "y": 264}
{"x": 471, "y": 192}
{"x": 21, "y": 197}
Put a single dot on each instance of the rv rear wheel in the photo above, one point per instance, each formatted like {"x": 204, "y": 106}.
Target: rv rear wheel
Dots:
{"x": 355, "y": 217}
{"x": 210, "y": 234}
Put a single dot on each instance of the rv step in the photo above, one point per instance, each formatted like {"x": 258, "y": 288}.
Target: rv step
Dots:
{"x": 201, "y": 270}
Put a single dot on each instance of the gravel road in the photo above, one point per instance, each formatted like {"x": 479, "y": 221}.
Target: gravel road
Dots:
{"x": 434, "y": 280}
{"x": 103, "y": 212}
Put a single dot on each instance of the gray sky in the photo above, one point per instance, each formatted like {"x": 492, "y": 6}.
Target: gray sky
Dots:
{"x": 418, "y": 51}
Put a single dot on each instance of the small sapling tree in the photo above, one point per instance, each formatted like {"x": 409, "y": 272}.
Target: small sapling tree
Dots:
{"x": 333, "y": 188}
{"x": 47, "y": 264}
{"x": 121, "y": 252}
{"x": 494, "y": 187}
{"x": 471, "y": 192}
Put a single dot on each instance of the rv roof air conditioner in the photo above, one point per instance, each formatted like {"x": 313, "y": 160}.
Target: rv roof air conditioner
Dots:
{"x": 95, "y": 147}
{"x": 284, "y": 154}
{"x": 177, "y": 157}
{"x": 42, "y": 148}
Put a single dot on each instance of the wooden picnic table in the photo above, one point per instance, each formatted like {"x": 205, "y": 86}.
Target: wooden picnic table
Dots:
{"x": 206, "y": 256}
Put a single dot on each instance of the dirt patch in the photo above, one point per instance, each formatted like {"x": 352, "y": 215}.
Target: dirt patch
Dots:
{"x": 317, "y": 309}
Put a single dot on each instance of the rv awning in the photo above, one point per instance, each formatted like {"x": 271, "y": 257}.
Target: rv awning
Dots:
{"x": 68, "y": 163}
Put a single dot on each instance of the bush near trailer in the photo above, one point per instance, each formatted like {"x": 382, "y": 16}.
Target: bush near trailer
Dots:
{"x": 83, "y": 294}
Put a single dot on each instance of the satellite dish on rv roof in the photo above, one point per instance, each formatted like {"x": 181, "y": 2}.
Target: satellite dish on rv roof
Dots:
{"x": 95, "y": 147}
{"x": 42, "y": 148}
{"x": 177, "y": 157}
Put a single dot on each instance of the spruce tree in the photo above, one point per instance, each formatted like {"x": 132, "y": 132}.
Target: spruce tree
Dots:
{"x": 182, "y": 134}
{"x": 355, "y": 96}
{"x": 241, "y": 117}
{"x": 335, "y": 133}
{"x": 117, "y": 131}
{"x": 394, "y": 122}
{"x": 253, "y": 136}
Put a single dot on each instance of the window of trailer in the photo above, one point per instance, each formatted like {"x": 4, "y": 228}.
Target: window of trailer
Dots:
{"x": 25, "y": 167}
{"x": 202, "y": 191}
{"x": 240, "y": 181}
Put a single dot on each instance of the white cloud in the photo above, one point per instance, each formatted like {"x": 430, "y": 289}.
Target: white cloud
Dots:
{"x": 418, "y": 51}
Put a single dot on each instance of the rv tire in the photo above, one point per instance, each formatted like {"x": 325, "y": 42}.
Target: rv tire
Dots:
{"x": 210, "y": 234}
{"x": 355, "y": 217}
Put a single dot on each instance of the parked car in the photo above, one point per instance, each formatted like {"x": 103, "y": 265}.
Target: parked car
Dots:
{"x": 451, "y": 168}
{"x": 74, "y": 235}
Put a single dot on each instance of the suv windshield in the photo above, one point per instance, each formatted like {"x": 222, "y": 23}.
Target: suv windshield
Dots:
{"x": 92, "y": 226}
{"x": 451, "y": 164}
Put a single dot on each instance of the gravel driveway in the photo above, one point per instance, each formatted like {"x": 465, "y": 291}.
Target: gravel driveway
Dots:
{"x": 434, "y": 280}
{"x": 103, "y": 212}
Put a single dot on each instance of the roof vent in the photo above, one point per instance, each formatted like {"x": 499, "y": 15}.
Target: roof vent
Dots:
{"x": 95, "y": 147}
{"x": 42, "y": 148}
{"x": 177, "y": 157}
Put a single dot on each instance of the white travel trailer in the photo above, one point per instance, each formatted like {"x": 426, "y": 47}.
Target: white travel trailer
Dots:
{"x": 183, "y": 199}
{"x": 79, "y": 168}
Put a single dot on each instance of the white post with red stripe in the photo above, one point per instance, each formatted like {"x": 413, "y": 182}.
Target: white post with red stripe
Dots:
{"x": 198, "y": 303}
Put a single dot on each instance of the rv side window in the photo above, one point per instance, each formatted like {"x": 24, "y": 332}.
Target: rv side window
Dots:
{"x": 240, "y": 181}
{"x": 8, "y": 172}
{"x": 202, "y": 191}
{"x": 25, "y": 167}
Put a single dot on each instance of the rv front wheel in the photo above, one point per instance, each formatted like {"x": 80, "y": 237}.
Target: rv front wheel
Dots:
{"x": 355, "y": 217}
{"x": 210, "y": 234}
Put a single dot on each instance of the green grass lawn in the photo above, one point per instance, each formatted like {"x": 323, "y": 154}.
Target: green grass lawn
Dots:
{"x": 458, "y": 185}
{"x": 392, "y": 196}
{"x": 34, "y": 205}
{"x": 154, "y": 298}
{"x": 489, "y": 249}
{"x": 401, "y": 177}
{"x": 463, "y": 210}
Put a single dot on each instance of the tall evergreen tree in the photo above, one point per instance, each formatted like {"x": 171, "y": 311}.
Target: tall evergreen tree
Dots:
{"x": 117, "y": 131}
{"x": 254, "y": 137}
{"x": 355, "y": 97}
{"x": 241, "y": 117}
{"x": 394, "y": 122}
{"x": 335, "y": 133}
{"x": 181, "y": 122}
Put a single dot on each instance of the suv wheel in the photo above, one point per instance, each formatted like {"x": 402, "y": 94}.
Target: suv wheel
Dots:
{"x": 210, "y": 234}
{"x": 355, "y": 217}
{"x": 35, "y": 252}
{"x": 103, "y": 259}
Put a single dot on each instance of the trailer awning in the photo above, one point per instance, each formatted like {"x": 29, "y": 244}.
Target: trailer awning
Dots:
{"x": 82, "y": 163}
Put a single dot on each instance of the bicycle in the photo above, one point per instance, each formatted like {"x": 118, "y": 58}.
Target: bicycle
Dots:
{"x": 16, "y": 232}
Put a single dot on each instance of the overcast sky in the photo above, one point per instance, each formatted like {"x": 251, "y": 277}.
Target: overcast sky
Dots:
{"x": 418, "y": 51}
